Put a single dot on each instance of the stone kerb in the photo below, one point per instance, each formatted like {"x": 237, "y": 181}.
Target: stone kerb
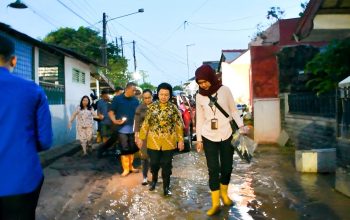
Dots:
{"x": 316, "y": 160}
{"x": 342, "y": 181}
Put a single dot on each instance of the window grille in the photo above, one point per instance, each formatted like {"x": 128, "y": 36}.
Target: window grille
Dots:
{"x": 51, "y": 76}
{"x": 78, "y": 76}
{"x": 24, "y": 53}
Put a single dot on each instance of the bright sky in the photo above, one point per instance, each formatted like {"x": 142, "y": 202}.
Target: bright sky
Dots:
{"x": 161, "y": 32}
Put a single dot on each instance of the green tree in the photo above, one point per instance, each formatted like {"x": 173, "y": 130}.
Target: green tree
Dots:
{"x": 178, "y": 87}
{"x": 275, "y": 12}
{"x": 84, "y": 41}
{"x": 88, "y": 42}
{"x": 116, "y": 72}
{"x": 291, "y": 61}
{"x": 303, "y": 6}
{"x": 329, "y": 67}
{"x": 147, "y": 85}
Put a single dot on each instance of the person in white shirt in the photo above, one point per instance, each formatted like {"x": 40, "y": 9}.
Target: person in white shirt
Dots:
{"x": 214, "y": 133}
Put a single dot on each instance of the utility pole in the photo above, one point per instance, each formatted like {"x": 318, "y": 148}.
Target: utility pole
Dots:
{"x": 104, "y": 46}
{"x": 122, "y": 46}
{"x": 188, "y": 67}
{"x": 116, "y": 44}
{"x": 133, "y": 53}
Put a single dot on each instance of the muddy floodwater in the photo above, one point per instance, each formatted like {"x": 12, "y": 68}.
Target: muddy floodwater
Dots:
{"x": 268, "y": 188}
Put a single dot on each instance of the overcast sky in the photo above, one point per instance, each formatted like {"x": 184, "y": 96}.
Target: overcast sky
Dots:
{"x": 161, "y": 32}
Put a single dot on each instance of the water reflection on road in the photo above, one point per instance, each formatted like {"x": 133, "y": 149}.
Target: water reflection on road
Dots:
{"x": 268, "y": 188}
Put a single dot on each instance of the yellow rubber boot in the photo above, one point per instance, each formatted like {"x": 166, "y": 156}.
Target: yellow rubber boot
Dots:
{"x": 125, "y": 164}
{"x": 98, "y": 137}
{"x": 223, "y": 193}
{"x": 215, "y": 198}
{"x": 131, "y": 167}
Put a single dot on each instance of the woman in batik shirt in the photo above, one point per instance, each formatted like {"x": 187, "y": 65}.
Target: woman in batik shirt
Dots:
{"x": 163, "y": 128}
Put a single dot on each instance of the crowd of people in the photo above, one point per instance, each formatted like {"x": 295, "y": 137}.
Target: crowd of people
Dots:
{"x": 153, "y": 127}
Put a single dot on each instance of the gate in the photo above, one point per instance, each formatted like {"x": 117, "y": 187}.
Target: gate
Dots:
{"x": 343, "y": 112}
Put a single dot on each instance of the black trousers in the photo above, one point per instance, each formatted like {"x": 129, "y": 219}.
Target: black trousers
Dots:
{"x": 161, "y": 159}
{"x": 219, "y": 161}
{"x": 20, "y": 207}
{"x": 109, "y": 143}
{"x": 127, "y": 143}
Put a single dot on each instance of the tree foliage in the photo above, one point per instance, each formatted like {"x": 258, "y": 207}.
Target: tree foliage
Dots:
{"x": 303, "y": 6}
{"x": 147, "y": 85}
{"x": 291, "y": 63}
{"x": 329, "y": 67}
{"x": 88, "y": 42}
{"x": 275, "y": 12}
{"x": 178, "y": 87}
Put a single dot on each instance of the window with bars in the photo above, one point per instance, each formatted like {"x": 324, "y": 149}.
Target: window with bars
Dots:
{"x": 78, "y": 76}
{"x": 51, "y": 76}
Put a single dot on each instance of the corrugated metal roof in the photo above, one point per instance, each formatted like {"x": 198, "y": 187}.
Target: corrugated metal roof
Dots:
{"x": 230, "y": 55}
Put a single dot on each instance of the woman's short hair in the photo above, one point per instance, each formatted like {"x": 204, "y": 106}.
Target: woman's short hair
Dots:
{"x": 165, "y": 86}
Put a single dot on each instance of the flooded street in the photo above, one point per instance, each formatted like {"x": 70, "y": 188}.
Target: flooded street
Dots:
{"x": 268, "y": 188}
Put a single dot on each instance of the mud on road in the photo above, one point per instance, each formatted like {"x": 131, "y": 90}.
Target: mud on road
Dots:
{"x": 78, "y": 187}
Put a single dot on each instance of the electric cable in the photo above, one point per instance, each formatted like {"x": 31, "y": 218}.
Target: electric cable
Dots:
{"x": 156, "y": 66}
{"x": 216, "y": 29}
{"x": 71, "y": 10}
{"x": 80, "y": 9}
{"x": 175, "y": 56}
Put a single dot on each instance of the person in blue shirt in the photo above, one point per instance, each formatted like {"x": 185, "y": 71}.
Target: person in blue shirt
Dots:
{"x": 121, "y": 113}
{"x": 25, "y": 130}
{"x": 105, "y": 123}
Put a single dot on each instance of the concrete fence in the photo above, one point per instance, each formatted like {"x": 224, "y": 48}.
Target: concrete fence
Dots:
{"x": 311, "y": 132}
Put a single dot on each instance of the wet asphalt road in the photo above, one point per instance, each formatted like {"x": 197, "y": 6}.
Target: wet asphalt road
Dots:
{"x": 79, "y": 187}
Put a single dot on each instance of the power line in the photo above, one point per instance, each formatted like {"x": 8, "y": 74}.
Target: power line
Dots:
{"x": 43, "y": 16}
{"x": 172, "y": 34}
{"x": 216, "y": 29}
{"x": 79, "y": 8}
{"x": 89, "y": 6}
{"x": 68, "y": 8}
{"x": 199, "y": 8}
{"x": 156, "y": 47}
{"x": 166, "y": 57}
{"x": 182, "y": 23}
{"x": 156, "y": 66}
{"x": 228, "y": 21}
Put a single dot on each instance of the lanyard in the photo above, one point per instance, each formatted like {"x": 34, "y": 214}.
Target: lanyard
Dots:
{"x": 212, "y": 103}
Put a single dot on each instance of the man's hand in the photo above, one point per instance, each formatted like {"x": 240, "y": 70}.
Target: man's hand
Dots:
{"x": 181, "y": 146}
{"x": 118, "y": 122}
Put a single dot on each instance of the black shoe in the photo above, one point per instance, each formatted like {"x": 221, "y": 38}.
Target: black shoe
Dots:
{"x": 167, "y": 192}
{"x": 152, "y": 186}
{"x": 144, "y": 182}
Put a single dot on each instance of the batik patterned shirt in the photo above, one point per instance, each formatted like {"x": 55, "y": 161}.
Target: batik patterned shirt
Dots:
{"x": 163, "y": 126}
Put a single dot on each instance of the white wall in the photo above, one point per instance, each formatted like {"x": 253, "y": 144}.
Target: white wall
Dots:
{"x": 267, "y": 120}
{"x": 73, "y": 94}
{"x": 236, "y": 76}
{"x": 191, "y": 88}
